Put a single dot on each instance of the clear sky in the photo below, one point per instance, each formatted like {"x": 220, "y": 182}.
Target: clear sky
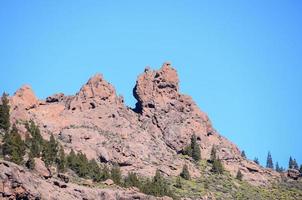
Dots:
{"x": 239, "y": 60}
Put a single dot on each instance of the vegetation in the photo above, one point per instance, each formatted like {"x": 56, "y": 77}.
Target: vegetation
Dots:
{"x": 116, "y": 174}
{"x": 278, "y": 168}
{"x": 158, "y": 186}
{"x": 193, "y": 149}
{"x": 224, "y": 186}
{"x": 239, "y": 175}
{"x": 132, "y": 180}
{"x": 50, "y": 151}
{"x": 243, "y": 154}
{"x": 4, "y": 113}
{"x": 217, "y": 166}
{"x": 214, "y": 179}
{"x": 256, "y": 161}
{"x": 185, "y": 174}
{"x": 61, "y": 161}
{"x": 292, "y": 164}
{"x": 269, "y": 161}
{"x": 35, "y": 142}
{"x": 213, "y": 153}
{"x": 13, "y": 147}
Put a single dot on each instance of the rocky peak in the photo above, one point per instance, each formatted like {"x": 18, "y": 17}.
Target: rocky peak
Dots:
{"x": 25, "y": 97}
{"x": 155, "y": 88}
{"x": 96, "y": 91}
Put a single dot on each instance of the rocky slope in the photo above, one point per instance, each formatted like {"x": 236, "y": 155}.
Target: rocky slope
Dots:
{"x": 97, "y": 122}
{"x": 19, "y": 183}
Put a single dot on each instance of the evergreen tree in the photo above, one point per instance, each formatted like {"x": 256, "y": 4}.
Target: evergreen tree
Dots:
{"x": 30, "y": 163}
{"x": 105, "y": 173}
{"x": 269, "y": 161}
{"x": 295, "y": 165}
{"x": 178, "y": 183}
{"x": 71, "y": 159}
{"x": 61, "y": 161}
{"x": 290, "y": 163}
{"x": 50, "y": 150}
{"x": 13, "y": 146}
{"x": 131, "y": 180}
{"x": 36, "y": 141}
{"x": 193, "y": 149}
{"x": 213, "y": 153}
{"x": 243, "y": 154}
{"x": 300, "y": 170}
{"x": 116, "y": 174}
{"x": 217, "y": 167}
{"x": 278, "y": 169}
{"x": 256, "y": 160}
{"x": 239, "y": 175}
{"x": 159, "y": 185}
{"x": 4, "y": 113}
{"x": 78, "y": 163}
{"x": 94, "y": 171}
{"x": 185, "y": 173}
{"x": 81, "y": 167}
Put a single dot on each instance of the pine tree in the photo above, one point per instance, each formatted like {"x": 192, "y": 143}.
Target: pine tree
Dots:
{"x": 50, "y": 150}
{"x": 278, "y": 169}
{"x": 71, "y": 159}
{"x": 105, "y": 173}
{"x": 94, "y": 171}
{"x": 185, "y": 174}
{"x": 243, "y": 154}
{"x": 239, "y": 175}
{"x": 81, "y": 167}
{"x": 30, "y": 163}
{"x": 290, "y": 163}
{"x": 213, "y": 153}
{"x": 4, "y": 113}
{"x": 217, "y": 167}
{"x": 131, "y": 180}
{"x": 159, "y": 185}
{"x": 116, "y": 174}
{"x": 61, "y": 161}
{"x": 36, "y": 141}
{"x": 295, "y": 165}
{"x": 195, "y": 148}
{"x": 256, "y": 160}
{"x": 178, "y": 183}
{"x": 269, "y": 161}
{"x": 13, "y": 146}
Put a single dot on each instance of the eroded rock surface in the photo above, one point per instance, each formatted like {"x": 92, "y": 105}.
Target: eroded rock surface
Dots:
{"x": 149, "y": 137}
{"x": 18, "y": 183}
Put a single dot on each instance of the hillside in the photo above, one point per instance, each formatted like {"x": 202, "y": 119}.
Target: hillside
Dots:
{"x": 153, "y": 136}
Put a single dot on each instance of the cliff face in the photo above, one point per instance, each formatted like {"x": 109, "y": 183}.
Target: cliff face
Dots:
{"x": 149, "y": 137}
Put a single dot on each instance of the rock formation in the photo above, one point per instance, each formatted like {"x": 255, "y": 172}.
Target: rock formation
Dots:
{"x": 96, "y": 122}
{"x": 19, "y": 183}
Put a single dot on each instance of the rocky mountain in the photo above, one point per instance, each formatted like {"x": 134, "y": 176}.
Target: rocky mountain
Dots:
{"x": 151, "y": 136}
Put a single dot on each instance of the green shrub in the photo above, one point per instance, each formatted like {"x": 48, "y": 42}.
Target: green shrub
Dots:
{"x": 185, "y": 174}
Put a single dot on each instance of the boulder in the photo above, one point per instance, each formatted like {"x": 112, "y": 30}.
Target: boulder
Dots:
{"x": 41, "y": 169}
{"x": 108, "y": 182}
{"x": 293, "y": 174}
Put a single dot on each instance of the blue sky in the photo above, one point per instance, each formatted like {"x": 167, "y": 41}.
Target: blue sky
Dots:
{"x": 239, "y": 60}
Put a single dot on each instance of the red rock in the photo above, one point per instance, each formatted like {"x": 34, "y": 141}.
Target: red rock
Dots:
{"x": 293, "y": 174}
{"x": 96, "y": 122}
{"x": 41, "y": 169}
